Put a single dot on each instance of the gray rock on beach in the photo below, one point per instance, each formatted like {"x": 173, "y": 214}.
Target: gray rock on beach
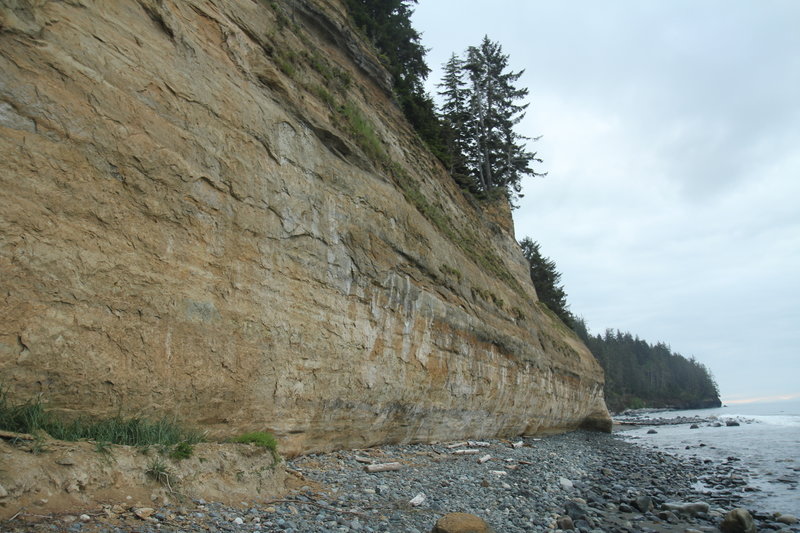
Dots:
{"x": 575, "y": 510}
{"x": 565, "y": 523}
{"x": 643, "y": 503}
{"x": 738, "y": 521}
{"x": 691, "y": 508}
{"x": 461, "y": 523}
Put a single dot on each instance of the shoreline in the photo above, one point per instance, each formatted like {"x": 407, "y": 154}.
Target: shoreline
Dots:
{"x": 766, "y": 448}
{"x": 591, "y": 481}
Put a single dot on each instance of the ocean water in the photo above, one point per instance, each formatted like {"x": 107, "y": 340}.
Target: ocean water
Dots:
{"x": 767, "y": 441}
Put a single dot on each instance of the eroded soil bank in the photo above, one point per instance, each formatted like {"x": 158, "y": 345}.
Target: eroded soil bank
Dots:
{"x": 43, "y": 476}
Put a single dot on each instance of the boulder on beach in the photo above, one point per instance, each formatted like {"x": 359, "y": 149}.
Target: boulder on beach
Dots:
{"x": 565, "y": 523}
{"x": 738, "y": 521}
{"x": 651, "y": 431}
{"x": 576, "y": 510}
{"x": 787, "y": 519}
{"x": 731, "y": 423}
{"x": 643, "y": 503}
{"x": 461, "y": 523}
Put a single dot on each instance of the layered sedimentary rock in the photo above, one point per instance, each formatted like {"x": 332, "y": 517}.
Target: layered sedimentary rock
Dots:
{"x": 215, "y": 210}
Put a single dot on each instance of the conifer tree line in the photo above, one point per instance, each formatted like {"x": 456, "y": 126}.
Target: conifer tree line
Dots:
{"x": 474, "y": 130}
{"x": 638, "y": 374}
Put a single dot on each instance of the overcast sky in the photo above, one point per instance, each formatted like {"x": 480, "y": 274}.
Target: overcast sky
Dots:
{"x": 671, "y": 134}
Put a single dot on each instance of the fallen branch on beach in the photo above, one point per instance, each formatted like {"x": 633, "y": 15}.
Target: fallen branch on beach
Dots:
{"x": 383, "y": 467}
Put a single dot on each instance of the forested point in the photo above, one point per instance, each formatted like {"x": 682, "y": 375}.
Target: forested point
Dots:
{"x": 638, "y": 374}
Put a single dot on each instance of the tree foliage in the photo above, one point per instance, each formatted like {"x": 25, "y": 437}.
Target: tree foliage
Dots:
{"x": 455, "y": 121}
{"x": 388, "y": 24}
{"x": 474, "y": 131}
{"x": 480, "y": 111}
{"x": 547, "y": 280}
{"x": 639, "y": 374}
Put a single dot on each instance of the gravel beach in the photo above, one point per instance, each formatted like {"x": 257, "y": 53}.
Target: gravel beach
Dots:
{"x": 583, "y": 481}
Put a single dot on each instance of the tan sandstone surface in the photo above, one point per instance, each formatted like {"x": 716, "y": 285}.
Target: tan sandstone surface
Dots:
{"x": 189, "y": 227}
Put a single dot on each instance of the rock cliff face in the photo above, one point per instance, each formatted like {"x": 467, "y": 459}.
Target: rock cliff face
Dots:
{"x": 214, "y": 210}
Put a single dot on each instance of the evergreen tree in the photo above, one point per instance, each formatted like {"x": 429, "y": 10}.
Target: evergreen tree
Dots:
{"x": 491, "y": 152}
{"x": 455, "y": 121}
{"x": 547, "y": 280}
{"x": 388, "y": 24}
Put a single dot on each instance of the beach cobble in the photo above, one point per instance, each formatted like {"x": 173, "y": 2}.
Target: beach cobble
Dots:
{"x": 591, "y": 482}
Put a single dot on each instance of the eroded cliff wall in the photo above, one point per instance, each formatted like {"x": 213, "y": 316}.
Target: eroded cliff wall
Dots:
{"x": 215, "y": 210}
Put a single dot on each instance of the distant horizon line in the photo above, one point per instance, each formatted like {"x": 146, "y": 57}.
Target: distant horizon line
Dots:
{"x": 776, "y": 398}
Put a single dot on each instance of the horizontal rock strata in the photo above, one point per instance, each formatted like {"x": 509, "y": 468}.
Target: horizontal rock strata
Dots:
{"x": 193, "y": 224}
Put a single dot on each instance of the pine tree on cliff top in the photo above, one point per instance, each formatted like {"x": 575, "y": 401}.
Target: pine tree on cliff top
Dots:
{"x": 455, "y": 121}
{"x": 493, "y": 152}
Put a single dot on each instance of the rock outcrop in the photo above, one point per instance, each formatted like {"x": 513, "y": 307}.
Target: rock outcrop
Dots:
{"x": 215, "y": 210}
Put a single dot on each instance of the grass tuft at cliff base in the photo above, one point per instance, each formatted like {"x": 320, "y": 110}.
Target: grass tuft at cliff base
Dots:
{"x": 32, "y": 417}
{"x": 260, "y": 438}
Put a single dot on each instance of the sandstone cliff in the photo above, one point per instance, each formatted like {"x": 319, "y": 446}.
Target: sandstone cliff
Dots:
{"x": 215, "y": 210}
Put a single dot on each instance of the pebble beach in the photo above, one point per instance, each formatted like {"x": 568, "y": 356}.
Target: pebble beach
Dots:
{"x": 579, "y": 481}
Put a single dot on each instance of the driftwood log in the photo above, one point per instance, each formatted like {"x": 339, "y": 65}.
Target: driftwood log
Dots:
{"x": 382, "y": 467}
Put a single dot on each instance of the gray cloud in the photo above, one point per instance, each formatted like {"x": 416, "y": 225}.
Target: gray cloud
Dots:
{"x": 671, "y": 134}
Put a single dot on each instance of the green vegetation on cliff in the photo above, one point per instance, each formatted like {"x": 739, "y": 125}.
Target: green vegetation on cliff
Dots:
{"x": 32, "y": 417}
{"x": 474, "y": 133}
{"x": 387, "y": 23}
{"x": 547, "y": 280}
